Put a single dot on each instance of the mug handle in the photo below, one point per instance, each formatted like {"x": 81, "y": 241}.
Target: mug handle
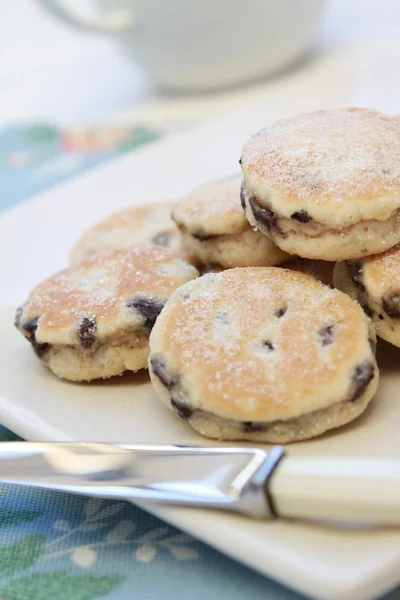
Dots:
{"x": 116, "y": 21}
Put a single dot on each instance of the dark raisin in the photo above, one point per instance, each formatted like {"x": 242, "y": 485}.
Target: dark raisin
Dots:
{"x": 240, "y": 161}
{"x": 184, "y": 411}
{"x": 282, "y": 311}
{"x": 385, "y": 171}
{"x": 301, "y": 216}
{"x": 87, "y": 332}
{"x": 242, "y": 195}
{"x": 30, "y": 328}
{"x": 264, "y": 215}
{"x": 172, "y": 384}
{"x": 40, "y": 349}
{"x": 199, "y": 234}
{"x": 363, "y": 374}
{"x": 267, "y": 345}
{"x": 367, "y": 309}
{"x": 162, "y": 239}
{"x": 326, "y": 335}
{"x": 160, "y": 370}
{"x": 391, "y": 304}
{"x": 356, "y": 272}
{"x": 148, "y": 308}
{"x": 249, "y": 426}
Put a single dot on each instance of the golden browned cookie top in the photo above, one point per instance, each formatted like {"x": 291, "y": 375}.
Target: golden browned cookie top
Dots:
{"x": 212, "y": 209}
{"x": 111, "y": 294}
{"x": 340, "y": 166}
{"x": 140, "y": 226}
{"x": 262, "y": 344}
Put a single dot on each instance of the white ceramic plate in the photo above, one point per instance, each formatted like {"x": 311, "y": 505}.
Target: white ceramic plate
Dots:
{"x": 321, "y": 561}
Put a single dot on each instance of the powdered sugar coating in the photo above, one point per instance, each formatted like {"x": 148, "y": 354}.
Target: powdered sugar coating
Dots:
{"x": 248, "y": 344}
{"x": 100, "y": 290}
{"x": 140, "y": 226}
{"x": 214, "y": 208}
{"x": 340, "y": 166}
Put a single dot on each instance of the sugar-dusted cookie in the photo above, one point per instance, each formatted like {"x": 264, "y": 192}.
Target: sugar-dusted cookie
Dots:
{"x": 326, "y": 185}
{"x": 215, "y": 230}
{"x": 94, "y": 320}
{"x": 141, "y": 226}
{"x": 263, "y": 354}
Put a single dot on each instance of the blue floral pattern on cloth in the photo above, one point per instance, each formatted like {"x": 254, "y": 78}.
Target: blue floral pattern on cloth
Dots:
{"x": 57, "y": 546}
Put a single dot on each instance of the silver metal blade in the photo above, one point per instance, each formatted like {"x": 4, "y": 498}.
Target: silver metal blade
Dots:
{"x": 226, "y": 478}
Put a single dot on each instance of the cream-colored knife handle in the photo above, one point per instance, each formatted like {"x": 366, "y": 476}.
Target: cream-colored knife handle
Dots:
{"x": 338, "y": 489}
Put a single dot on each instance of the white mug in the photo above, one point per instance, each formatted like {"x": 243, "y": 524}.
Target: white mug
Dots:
{"x": 203, "y": 44}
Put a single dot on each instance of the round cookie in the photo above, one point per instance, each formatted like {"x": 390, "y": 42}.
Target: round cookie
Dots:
{"x": 140, "y": 226}
{"x": 94, "y": 320}
{"x": 326, "y": 185}
{"x": 215, "y": 230}
{"x": 263, "y": 354}
{"x": 375, "y": 283}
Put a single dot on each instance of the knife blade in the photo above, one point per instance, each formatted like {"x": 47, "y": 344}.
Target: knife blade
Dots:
{"x": 252, "y": 481}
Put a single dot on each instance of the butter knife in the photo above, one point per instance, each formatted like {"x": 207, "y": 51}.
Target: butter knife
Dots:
{"x": 252, "y": 481}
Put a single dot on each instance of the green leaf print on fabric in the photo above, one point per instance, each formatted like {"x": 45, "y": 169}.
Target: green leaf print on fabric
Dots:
{"x": 59, "y": 585}
{"x": 10, "y": 517}
{"x": 20, "y": 555}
